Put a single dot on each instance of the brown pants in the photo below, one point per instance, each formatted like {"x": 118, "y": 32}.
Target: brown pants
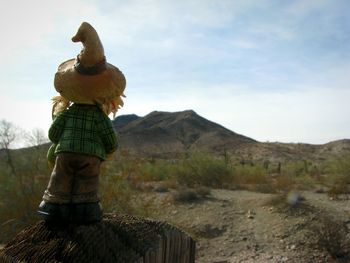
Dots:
{"x": 74, "y": 179}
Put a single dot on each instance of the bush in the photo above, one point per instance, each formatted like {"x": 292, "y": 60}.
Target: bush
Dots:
{"x": 338, "y": 176}
{"x": 115, "y": 193}
{"x": 204, "y": 170}
{"x": 19, "y": 203}
{"x": 332, "y": 236}
{"x": 185, "y": 195}
{"x": 284, "y": 183}
{"x": 203, "y": 191}
{"x": 250, "y": 175}
{"x": 158, "y": 170}
{"x": 118, "y": 194}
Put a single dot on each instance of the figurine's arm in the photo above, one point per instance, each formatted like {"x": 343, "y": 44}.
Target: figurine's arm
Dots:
{"x": 56, "y": 128}
{"x": 108, "y": 135}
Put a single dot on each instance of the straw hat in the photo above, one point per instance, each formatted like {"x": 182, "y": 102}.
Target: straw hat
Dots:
{"x": 88, "y": 78}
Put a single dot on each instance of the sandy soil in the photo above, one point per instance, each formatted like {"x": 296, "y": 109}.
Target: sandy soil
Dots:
{"x": 243, "y": 226}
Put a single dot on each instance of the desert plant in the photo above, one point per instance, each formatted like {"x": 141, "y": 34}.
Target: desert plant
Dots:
{"x": 118, "y": 193}
{"x": 297, "y": 168}
{"x": 19, "y": 202}
{"x": 203, "y": 169}
{"x": 284, "y": 183}
{"x": 115, "y": 194}
{"x": 203, "y": 191}
{"x": 157, "y": 170}
{"x": 250, "y": 175}
{"x": 332, "y": 236}
{"x": 338, "y": 176}
{"x": 185, "y": 195}
{"x": 21, "y": 189}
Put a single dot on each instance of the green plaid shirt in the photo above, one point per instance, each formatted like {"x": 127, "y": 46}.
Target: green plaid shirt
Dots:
{"x": 83, "y": 129}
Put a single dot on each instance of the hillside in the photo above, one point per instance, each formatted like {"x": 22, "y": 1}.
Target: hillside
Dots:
{"x": 166, "y": 133}
{"x": 173, "y": 134}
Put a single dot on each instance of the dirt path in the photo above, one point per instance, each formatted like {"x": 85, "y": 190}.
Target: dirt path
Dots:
{"x": 242, "y": 226}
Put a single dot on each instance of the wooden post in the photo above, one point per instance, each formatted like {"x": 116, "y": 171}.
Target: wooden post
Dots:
{"x": 122, "y": 239}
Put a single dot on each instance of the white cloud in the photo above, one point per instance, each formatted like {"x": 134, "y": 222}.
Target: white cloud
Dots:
{"x": 303, "y": 7}
{"x": 279, "y": 31}
{"x": 198, "y": 42}
{"x": 242, "y": 43}
{"x": 304, "y": 114}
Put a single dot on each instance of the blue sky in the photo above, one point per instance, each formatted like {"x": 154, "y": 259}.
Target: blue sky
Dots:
{"x": 271, "y": 70}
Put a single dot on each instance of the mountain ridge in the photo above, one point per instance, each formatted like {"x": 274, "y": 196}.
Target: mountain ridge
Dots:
{"x": 169, "y": 134}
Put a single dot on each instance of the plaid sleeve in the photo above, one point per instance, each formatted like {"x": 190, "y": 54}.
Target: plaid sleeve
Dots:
{"x": 108, "y": 134}
{"x": 56, "y": 128}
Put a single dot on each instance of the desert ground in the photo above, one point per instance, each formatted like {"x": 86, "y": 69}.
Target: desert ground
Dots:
{"x": 243, "y": 226}
{"x": 232, "y": 226}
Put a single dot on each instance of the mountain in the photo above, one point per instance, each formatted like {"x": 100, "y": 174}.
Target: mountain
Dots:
{"x": 173, "y": 133}
{"x": 281, "y": 152}
{"x": 123, "y": 120}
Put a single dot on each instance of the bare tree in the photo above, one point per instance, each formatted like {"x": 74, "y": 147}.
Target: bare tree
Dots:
{"x": 35, "y": 138}
{"x": 7, "y": 138}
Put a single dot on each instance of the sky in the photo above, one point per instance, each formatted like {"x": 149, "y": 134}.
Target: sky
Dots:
{"x": 272, "y": 70}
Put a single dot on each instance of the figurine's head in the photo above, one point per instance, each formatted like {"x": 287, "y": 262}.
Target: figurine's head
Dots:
{"x": 89, "y": 79}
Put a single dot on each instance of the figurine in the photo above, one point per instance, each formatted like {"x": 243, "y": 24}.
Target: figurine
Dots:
{"x": 82, "y": 133}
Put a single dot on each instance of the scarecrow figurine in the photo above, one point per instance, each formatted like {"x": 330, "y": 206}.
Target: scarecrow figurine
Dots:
{"x": 82, "y": 133}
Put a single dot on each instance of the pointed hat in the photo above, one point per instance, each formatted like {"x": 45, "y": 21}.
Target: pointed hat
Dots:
{"x": 88, "y": 78}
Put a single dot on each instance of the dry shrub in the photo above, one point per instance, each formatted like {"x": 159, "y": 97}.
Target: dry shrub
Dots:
{"x": 284, "y": 183}
{"x": 161, "y": 188}
{"x": 190, "y": 195}
{"x": 252, "y": 178}
{"x": 185, "y": 195}
{"x": 157, "y": 170}
{"x": 171, "y": 183}
{"x": 146, "y": 206}
{"x": 341, "y": 186}
{"x": 18, "y": 205}
{"x": 266, "y": 188}
{"x": 338, "y": 176}
{"x": 250, "y": 175}
{"x": 203, "y": 191}
{"x": 205, "y": 170}
{"x": 118, "y": 194}
{"x": 332, "y": 236}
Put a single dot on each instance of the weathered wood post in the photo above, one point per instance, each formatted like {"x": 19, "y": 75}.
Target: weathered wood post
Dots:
{"x": 116, "y": 239}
